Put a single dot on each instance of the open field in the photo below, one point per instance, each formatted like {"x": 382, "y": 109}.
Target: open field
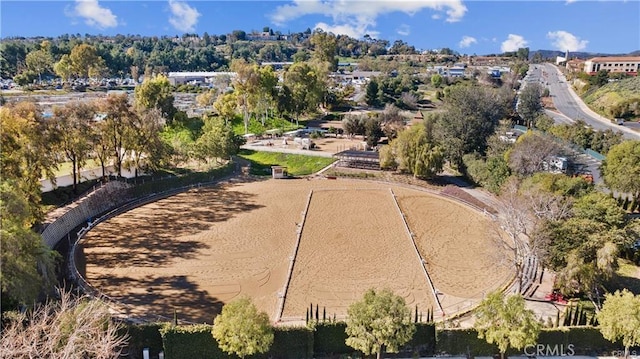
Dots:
{"x": 197, "y": 250}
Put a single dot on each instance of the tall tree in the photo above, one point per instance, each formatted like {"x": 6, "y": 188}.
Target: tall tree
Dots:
{"x": 324, "y": 44}
{"x": 373, "y": 131}
{"x": 27, "y": 150}
{"x": 116, "y": 129}
{"x": 245, "y": 85}
{"x": 372, "y": 94}
{"x": 241, "y": 330}
{"x": 148, "y": 150}
{"x": 28, "y": 265}
{"x": 64, "y": 67}
{"x": 523, "y": 54}
{"x": 266, "y": 92}
{"x": 156, "y": 93}
{"x": 620, "y": 319}
{"x": 471, "y": 114}
{"x": 530, "y": 104}
{"x": 306, "y": 84}
{"x": 225, "y": 106}
{"x": 73, "y": 123}
{"x": 86, "y": 62}
{"x": 217, "y": 140}
{"x": 392, "y": 120}
{"x": 379, "y": 323}
{"x": 621, "y": 168}
{"x": 506, "y": 322}
{"x": 40, "y": 62}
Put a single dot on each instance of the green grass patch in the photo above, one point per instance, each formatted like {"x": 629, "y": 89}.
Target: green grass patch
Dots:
{"x": 297, "y": 165}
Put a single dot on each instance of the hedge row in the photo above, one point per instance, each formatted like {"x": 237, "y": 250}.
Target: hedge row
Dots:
{"x": 328, "y": 340}
{"x": 143, "y": 336}
{"x": 196, "y": 341}
{"x": 582, "y": 340}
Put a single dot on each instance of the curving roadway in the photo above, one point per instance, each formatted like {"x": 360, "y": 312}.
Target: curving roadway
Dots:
{"x": 569, "y": 105}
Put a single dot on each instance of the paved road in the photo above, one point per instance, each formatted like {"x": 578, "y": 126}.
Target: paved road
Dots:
{"x": 569, "y": 103}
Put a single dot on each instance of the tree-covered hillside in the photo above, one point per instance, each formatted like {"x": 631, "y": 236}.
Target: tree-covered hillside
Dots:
{"x": 127, "y": 55}
{"x": 619, "y": 99}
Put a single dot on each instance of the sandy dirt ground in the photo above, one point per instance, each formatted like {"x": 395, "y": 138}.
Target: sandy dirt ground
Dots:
{"x": 463, "y": 250}
{"x": 195, "y": 251}
{"x": 353, "y": 240}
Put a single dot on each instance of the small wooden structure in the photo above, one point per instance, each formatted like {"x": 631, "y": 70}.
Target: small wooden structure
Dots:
{"x": 279, "y": 172}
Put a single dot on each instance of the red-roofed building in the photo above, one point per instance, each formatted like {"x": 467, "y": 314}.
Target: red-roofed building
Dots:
{"x": 614, "y": 64}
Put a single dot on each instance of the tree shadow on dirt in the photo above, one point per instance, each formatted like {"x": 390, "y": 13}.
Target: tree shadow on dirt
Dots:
{"x": 156, "y": 298}
{"x": 153, "y": 235}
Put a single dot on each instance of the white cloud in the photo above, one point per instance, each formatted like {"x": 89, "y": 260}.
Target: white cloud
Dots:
{"x": 467, "y": 41}
{"x": 564, "y": 41}
{"x": 346, "y": 29}
{"x": 403, "y": 30}
{"x": 513, "y": 43}
{"x": 362, "y": 15}
{"x": 183, "y": 17}
{"x": 94, "y": 14}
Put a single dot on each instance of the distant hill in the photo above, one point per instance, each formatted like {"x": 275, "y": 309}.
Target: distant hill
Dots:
{"x": 552, "y": 54}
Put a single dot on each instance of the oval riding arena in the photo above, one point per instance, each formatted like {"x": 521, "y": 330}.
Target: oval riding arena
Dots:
{"x": 289, "y": 244}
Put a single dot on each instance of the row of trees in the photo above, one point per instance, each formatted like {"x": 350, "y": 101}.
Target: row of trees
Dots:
{"x": 381, "y": 323}
{"x": 257, "y": 92}
{"x": 187, "y": 53}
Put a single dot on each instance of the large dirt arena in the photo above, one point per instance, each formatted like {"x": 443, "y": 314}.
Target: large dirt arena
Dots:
{"x": 197, "y": 250}
{"x": 353, "y": 240}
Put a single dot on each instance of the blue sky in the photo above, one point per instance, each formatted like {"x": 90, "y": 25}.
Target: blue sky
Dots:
{"x": 471, "y": 27}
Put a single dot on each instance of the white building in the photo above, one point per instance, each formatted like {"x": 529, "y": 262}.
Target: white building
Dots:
{"x": 179, "y": 78}
{"x": 613, "y": 64}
